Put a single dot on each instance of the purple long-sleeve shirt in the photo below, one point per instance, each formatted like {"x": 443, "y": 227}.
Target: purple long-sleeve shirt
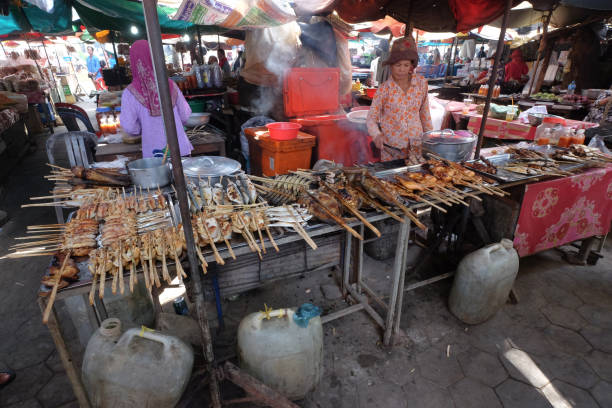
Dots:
{"x": 136, "y": 119}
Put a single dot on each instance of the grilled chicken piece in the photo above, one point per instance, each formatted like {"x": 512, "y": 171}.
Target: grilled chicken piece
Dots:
{"x": 350, "y": 196}
{"x": 409, "y": 184}
{"x": 377, "y": 189}
{"x": 326, "y": 201}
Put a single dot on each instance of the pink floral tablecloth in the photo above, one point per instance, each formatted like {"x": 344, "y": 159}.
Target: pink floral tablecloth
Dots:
{"x": 561, "y": 211}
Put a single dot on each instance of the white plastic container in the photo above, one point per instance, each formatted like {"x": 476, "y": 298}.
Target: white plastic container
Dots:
{"x": 483, "y": 282}
{"x": 280, "y": 353}
{"x": 136, "y": 369}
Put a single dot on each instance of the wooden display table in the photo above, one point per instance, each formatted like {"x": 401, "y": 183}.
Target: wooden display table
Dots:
{"x": 204, "y": 144}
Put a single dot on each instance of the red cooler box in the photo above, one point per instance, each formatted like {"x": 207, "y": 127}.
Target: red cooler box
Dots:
{"x": 311, "y": 97}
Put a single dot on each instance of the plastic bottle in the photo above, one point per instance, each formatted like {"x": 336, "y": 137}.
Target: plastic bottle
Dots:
{"x": 483, "y": 282}
{"x": 280, "y": 353}
{"x": 571, "y": 88}
{"x": 117, "y": 116}
{"x": 578, "y": 138}
{"x": 564, "y": 138}
{"x": 140, "y": 368}
{"x": 544, "y": 138}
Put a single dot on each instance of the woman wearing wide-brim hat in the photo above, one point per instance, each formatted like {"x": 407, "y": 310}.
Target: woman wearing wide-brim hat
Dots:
{"x": 399, "y": 114}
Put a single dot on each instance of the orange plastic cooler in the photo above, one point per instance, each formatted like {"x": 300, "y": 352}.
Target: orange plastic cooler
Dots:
{"x": 273, "y": 157}
{"x": 311, "y": 97}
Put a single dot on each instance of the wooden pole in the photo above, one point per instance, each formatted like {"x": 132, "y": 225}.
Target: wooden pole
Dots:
{"x": 493, "y": 78}
{"x": 541, "y": 50}
{"x": 163, "y": 88}
{"x": 544, "y": 50}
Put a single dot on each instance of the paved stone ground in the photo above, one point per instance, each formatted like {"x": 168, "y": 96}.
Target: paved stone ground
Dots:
{"x": 554, "y": 348}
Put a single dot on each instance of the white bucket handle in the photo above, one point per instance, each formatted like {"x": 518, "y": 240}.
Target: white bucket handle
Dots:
{"x": 147, "y": 334}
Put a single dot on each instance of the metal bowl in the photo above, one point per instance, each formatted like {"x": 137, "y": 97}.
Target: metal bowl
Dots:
{"x": 449, "y": 145}
{"x": 149, "y": 172}
{"x": 198, "y": 119}
{"x": 535, "y": 119}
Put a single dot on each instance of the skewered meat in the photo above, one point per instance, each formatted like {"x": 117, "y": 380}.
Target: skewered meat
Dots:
{"x": 350, "y": 195}
{"x": 249, "y": 189}
{"x": 218, "y": 195}
{"x": 326, "y": 201}
{"x": 409, "y": 184}
{"x": 377, "y": 189}
{"x": 233, "y": 194}
{"x": 100, "y": 176}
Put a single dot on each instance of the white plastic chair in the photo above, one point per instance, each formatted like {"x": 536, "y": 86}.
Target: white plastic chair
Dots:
{"x": 79, "y": 151}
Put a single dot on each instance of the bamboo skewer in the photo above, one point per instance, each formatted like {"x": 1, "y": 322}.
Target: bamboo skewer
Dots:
{"x": 218, "y": 258}
{"x": 256, "y": 221}
{"x": 299, "y": 229}
{"x": 417, "y": 197}
{"x": 373, "y": 203}
{"x": 53, "y": 295}
{"x": 120, "y": 272}
{"x": 336, "y": 218}
{"x": 92, "y": 291}
{"x": 202, "y": 259}
{"x": 165, "y": 272}
{"x": 102, "y": 276}
{"x": 249, "y": 236}
{"x": 352, "y": 209}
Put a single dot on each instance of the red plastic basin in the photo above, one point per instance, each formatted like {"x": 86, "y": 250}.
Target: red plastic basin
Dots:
{"x": 283, "y": 130}
{"x": 370, "y": 92}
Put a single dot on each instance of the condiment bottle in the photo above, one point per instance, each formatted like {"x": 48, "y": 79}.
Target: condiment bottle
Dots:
{"x": 564, "y": 138}
{"x": 112, "y": 126}
{"x": 578, "y": 138}
{"x": 544, "y": 138}
{"x": 117, "y": 115}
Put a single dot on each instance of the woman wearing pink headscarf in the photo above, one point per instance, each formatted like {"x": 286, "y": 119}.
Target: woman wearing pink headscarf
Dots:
{"x": 140, "y": 108}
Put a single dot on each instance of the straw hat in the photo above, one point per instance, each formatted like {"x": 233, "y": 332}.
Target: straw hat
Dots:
{"x": 403, "y": 49}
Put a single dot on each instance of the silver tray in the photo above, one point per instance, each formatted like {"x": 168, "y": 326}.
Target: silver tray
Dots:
{"x": 502, "y": 160}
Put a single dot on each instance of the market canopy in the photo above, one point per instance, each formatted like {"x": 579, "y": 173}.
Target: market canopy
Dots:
{"x": 27, "y": 17}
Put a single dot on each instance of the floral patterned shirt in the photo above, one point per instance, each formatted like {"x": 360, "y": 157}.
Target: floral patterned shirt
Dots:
{"x": 400, "y": 118}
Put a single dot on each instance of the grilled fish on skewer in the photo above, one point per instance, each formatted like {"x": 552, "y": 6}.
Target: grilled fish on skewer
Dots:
{"x": 233, "y": 194}
{"x": 315, "y": 209}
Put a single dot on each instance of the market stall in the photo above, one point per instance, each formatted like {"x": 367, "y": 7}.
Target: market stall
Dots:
{"x": 242, "y": 231}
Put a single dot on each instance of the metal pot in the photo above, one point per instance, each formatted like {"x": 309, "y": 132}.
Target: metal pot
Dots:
{"x": 210, "y": 167}
{"x": 149, "y": 172}
{"x": 449, "y": 145}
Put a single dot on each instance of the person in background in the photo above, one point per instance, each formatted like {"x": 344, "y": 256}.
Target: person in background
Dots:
{"x": 238, "y": 62}
{"x": 483, "y": 77}
{"x": 382, "y": 70}
{"x": 437, "y": 59}
{"x": 374, "y": 68}
{"x": 212, "y": 60}
{"x": 400, "y": 109}
{"x": 602, "y": 105}
{"x": 430, "y": 59}
{"x": 140, "y": 107}
{"x": 224, "y": 63}
{"x": 100, "y": 84}
{"x": 93, "y": 65}
{"x": 516, "y": 70}
{"x": 481, "y": 53}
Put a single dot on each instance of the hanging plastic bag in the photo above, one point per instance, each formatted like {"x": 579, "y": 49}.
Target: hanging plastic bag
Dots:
{"x": 597, "y": 141}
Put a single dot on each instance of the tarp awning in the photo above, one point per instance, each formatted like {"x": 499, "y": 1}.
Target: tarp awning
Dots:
{"x": 31, "y": 18}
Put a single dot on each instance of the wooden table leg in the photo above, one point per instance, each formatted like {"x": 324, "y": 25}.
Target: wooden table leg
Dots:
{"x": 60, "y": 345}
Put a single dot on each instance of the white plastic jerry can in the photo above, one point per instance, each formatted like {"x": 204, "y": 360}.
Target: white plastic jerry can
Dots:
{"x": 273, "y": 348}
{"x": 483, "y": 282}
{"x": 142, "y": 368}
